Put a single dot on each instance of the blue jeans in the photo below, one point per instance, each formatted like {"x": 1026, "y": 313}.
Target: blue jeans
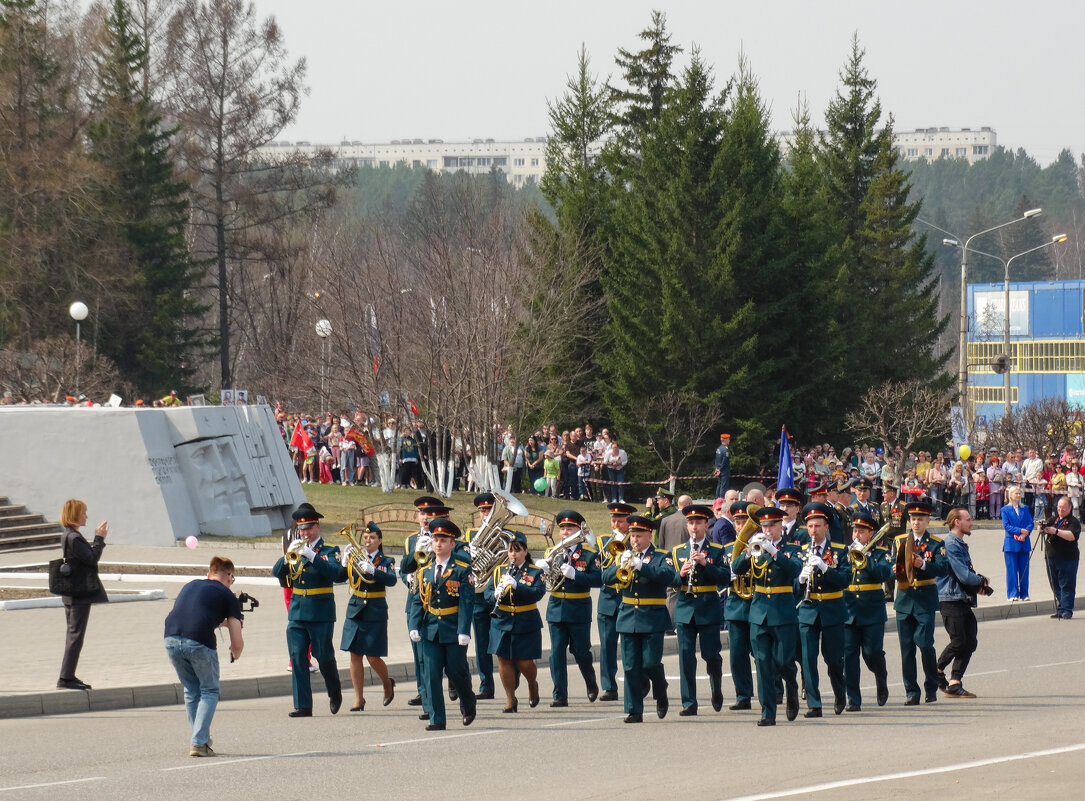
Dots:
{"x": 197, "y": 667}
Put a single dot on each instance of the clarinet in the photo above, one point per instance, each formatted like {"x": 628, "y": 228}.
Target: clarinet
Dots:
{"x": 694, "y": 549}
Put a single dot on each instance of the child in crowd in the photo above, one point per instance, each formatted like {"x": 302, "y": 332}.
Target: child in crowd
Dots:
{"x": 551, "y": 465}
{"x": 983, "y": 495}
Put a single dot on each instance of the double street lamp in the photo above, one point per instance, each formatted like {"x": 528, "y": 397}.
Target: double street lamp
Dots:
{"x": 1006, "y": 301}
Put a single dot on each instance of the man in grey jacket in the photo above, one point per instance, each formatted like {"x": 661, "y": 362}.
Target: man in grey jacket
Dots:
{"x": 957, "y": 592}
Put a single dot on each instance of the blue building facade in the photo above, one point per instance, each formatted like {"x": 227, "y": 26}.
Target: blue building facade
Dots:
{"x": 1047, "y": 345}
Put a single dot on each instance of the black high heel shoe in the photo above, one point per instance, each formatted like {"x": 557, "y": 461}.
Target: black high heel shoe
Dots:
{"x": 533, "y": 694}
{"x": 360, "y": 708}
{"x": 388, "y": 698}
{"x": 512, "y": 709}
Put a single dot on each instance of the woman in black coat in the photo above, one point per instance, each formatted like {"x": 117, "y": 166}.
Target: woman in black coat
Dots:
{"x": 77, "y": 610}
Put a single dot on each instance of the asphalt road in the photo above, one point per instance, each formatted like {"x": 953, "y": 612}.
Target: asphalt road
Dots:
{"x": 1024, "y": 735}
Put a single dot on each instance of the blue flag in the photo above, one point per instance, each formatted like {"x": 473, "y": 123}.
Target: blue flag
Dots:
{"x": 785, "y": 476}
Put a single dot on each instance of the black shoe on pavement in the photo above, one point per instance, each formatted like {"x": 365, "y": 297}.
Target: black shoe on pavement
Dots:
{"x": 883, "y": 694}
{"x": 838, "y": 706}
{"x": 853, "y": 708}
{"x": 688, "y": 712}
{"x": 912, "y": 700}
{"x": 416, "y": 701}
{"x": 469, "y": 717}
{"x": 609, "y": 695}
{"x": 435, "y": 727}
{"x": 335, "y": 701}
{"x": 593, "y": 690}
{"x": 559, "y": 703}
{"x": 792, "y": 703}
{"x": 72, "y": 684}
{"x": 738, "y": 706}
{"x": 452, "y": 694}
{"x": 766, "y": 722}
{"x": 957, "y": 691}
{"x": 633, "y": 717}
{"x": 942, "y": 682}
{"x": 813, "y": 713}
{"x": 306, "y": 712}
{"x": 424, "y": 716}
{"x": 930, "y": 699}
{"x": 662, "y": 705}
{"x": 486, "y": 696}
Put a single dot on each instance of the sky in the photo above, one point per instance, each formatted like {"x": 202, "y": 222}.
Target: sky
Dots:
{"x": 486, "y": 68}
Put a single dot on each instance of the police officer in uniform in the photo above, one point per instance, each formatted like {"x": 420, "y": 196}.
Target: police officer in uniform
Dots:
{"x": 864, "y": 629}
{"x": 610, "y": 600}
{"x": 737, "y": 614}
{"x": 311, "y": 617}
{"x": 702, "y": 569}
{"x": 568, "y": 612}
{"x": 642, "y": 618}
{"x": 822, "y": 610}
{"x": 484, "y": 661}
{"x": 917, "y": 602}
{"x": 774, "y": 621}
{"x": 443, "y": 628}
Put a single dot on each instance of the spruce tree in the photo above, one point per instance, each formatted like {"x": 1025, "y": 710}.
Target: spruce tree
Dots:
{"x": 153, "y": 329}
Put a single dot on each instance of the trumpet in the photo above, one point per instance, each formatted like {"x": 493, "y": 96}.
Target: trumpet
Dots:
{"x": 292, "y": 557}
{"x": 624, "y": 575}
{"x": 615, "y": 546}
{"x": 424, "y": 555}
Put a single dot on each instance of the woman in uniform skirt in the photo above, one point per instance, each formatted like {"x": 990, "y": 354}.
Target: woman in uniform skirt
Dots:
{"x": 365, "y": 629}
{"x": 516, "y": 625}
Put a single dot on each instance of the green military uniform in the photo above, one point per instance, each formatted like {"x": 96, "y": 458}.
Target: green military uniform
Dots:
{"x": 311, "y": 617}
{"x": 642, "y": 620}
{"x": 864, "y": 629}
{"x": 915, "y": 606}
{"x": 484, "y": 661}
{"x": 736, "y": 612}
{"x": 821, "y": 616}
{"x": 606, "y": 610}
{"x": 655, "y": 514}
{"x": 895, "y": 512}
{"x": 447, "y": 600}
{"x": 697, "y": 614}
{"x": 774, "y": 621}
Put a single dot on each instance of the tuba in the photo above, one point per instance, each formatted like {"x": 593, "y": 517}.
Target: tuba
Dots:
{"x": 491, "y": 542}
{"x": 558, "y": 557}
{"x": 743, "y": 585}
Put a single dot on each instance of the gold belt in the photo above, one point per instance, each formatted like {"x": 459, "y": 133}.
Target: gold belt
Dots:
{"x": 367, "y": 593}
{"x": 315, "y": 591}
{"x": 864, "y": 587}
{"x": 917, "y": 583}
{"x": 703, "y": 588}
{"x": 773, "y": 590}
{"x": 517, "y": 609}
{"x": 644, "y": 601}
{"x": 442, "y": 612}
{"x": 571, "y": 596}
{"x": 827, "y": 596}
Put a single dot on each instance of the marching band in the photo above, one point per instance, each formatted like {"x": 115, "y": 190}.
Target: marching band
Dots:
{"x": 786, "y": 590}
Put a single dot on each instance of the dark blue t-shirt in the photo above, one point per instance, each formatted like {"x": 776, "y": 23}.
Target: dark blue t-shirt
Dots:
{"x": 200, "y": 608}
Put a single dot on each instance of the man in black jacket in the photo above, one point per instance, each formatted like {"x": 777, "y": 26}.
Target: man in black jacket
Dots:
{"x": 1062, "y": 531}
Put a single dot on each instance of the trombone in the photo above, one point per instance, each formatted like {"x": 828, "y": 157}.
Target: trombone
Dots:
{"x": 858, "y": 556}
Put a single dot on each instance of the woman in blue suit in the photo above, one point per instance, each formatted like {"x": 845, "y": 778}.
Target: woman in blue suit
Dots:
{"x": 516, "y": 625}
{"x": 1017, "y": 521}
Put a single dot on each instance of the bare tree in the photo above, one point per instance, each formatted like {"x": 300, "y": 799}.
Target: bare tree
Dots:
{"x": 1048, "y": 425}
{"x": 675, "y": 427}
{"x": 900, "y": 414}
{"x": 47, "y": 370}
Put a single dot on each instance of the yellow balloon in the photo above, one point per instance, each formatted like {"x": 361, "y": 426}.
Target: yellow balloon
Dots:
{"x": 965, "y": 451}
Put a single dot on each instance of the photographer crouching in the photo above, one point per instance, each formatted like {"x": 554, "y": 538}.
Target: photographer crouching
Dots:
{"x": 201, "y": 607}
{"x": 957, "y": 597}
{"x": 1062, "y": 531}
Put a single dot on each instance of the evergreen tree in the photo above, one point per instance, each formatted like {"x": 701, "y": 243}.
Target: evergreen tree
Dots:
{"x": 153, "y": 331}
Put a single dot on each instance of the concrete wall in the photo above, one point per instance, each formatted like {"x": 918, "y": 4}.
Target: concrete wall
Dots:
{"x": 157, "y": 475}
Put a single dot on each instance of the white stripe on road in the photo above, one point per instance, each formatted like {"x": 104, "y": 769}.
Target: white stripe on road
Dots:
{"x": 911, "y": 774}
{"x": 214, "y": 763}
{"x": 433, "y": 738}
{"x": 52, "y": 784}
{"x": 1060, "y": 664}
{"x": 584, "y": 720}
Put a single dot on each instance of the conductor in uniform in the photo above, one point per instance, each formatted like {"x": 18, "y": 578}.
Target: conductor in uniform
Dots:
{"x": 311, "y": 617}
{"x": 643, "y": 575}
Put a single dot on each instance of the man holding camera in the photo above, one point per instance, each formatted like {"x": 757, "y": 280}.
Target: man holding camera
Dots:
{"x": 1063, "y": 531}
{"x": 957, "y": 591}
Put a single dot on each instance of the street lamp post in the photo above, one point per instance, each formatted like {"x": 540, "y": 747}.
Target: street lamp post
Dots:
{"x": 962, "y": 343}
{"x": 323, "y": 330}
{"x": 78, "y": 312}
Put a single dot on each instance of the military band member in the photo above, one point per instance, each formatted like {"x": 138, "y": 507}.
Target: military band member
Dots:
{"x": 515, "y": 622}
{"x": 484, "y": 662}
{"x": 568, "y": 612}
{"x": 862, "y": 502}
{"x": 737, "y": 614}
{"x": 826, "y": 493}
{"x": 839, "y": 497}
{"x": 444, "y": 626}
{"x": 917, "y": 602}
{"x": 702, "y": 568}
{"x": 894, "y": 510}
{"x": 429, "y": 508}
{"x": 642, "y": 618}
{"x": 774, "y": 621}
{"x": 822, "y": 611}
{"x": 610, "y": 600}
{"x": 311, "y": 618}
{"x": 365, "y": 628}
{"x": 864, "y": 629}
{"x": 790, "y": 500}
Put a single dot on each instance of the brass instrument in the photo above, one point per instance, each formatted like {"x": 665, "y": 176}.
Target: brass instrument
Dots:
{"x": 423, "y": 557}
{"x": 356, "y": 576}
{"x": 489, "y": 545}
{"x": 615, "y": 546}
{"x": 858, "y": 556}
{"x": 558, "y": 557}
{"x": 743, "y": 585}
{"x": 292, "y": 556}
{"x": 623, "y": 577}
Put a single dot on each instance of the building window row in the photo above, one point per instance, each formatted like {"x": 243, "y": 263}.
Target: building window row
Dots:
{"x": 1041, "y": 356}
{"x": 991, "y": 394}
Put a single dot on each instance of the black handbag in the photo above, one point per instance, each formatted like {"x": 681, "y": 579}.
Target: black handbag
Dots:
{"x": 72, "y": 578}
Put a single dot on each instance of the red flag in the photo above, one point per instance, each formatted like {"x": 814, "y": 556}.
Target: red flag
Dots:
{"x": 299, "y": 439}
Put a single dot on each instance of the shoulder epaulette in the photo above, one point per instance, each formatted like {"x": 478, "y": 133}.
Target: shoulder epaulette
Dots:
{"x": 901, "y": 536}
{"x": 587, "y": 546}
{"x": 462, "y": 563}
{"x": 935, "y": 538}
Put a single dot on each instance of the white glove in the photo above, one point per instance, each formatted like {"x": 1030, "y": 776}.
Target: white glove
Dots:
{"x": 415, "y": 636}
{"x": 770, "y": 549}
{"x": 367, "y": 568}
{"x": 423, "y": 542}
{"x": 344, "y": 555}
{"x": 819, "y": 563}
{"x": 308, "y": 552}
{"x": 296, "y": 544}
{"x": 543, "y": 564}
{"x": 471, "y": 549}
{"x": 758, "y": 537}
{"x": 506, "y": 583}
{"x": 855, "y": 546}
{"x": 568, "y": 571}
{"x": 464, "y": 639}
{"x": 627, "y": 557}
{"x": 804, "y": 574}
{"x": 636, "y": 562}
